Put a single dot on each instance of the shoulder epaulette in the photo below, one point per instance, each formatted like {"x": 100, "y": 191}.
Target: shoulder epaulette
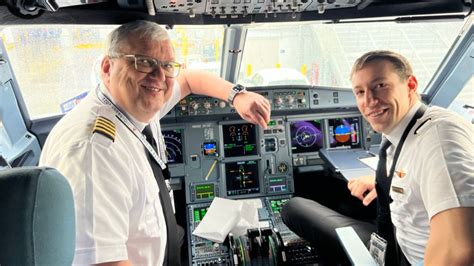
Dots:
{"x": 423, "y": 125}
{"x": 104, "y": 127}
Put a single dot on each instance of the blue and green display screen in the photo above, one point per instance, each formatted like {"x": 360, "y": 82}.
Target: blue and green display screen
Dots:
{"x": 344, "y": 132}
{"x": 209, "y": 148}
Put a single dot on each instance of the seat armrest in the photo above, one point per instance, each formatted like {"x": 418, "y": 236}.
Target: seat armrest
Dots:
{"x": 353, "y": 246}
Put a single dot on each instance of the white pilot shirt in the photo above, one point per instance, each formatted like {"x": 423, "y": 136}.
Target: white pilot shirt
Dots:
{"x": 118, "y": 210}
{"x": 435, "y": 172}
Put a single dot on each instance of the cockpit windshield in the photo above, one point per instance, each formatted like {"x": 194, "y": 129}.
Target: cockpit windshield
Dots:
{"x": 290, "y": 53}
{"x": 322, "y": 54}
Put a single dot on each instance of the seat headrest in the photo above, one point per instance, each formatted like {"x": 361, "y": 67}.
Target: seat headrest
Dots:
{"x": 37, "y": 217}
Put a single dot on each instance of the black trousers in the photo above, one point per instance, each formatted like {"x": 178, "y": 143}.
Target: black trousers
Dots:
{"x": 180, "y": 236}
{"x": 317, "y": 223}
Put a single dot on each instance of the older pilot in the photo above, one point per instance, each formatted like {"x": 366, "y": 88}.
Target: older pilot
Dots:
{"x": 123, "y": 215}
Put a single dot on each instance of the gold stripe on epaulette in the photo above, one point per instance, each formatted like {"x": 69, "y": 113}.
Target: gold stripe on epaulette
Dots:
{"x": 110, "y": 127}
{"x": 104, "y": 127}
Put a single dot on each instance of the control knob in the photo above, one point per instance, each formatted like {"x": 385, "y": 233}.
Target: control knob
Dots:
{"x": 282, "y": 167}
{"x": 278, "y": 100}
{"x": 194, "y": 105}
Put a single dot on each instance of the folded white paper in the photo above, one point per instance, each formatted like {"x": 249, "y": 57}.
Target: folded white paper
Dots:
{"x": 370, "y": 162}
{"x": 225, "y": 216}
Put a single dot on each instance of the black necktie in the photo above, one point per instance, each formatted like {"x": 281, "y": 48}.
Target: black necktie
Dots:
{"x": 384, "y": 221}
{"x": 382, "y": 180}
{"x": 172, "y": 256}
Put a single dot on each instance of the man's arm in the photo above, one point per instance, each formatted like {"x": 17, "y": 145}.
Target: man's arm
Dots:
{"x": 451, "y": 240}
{"x": 363, "y": 188}
{"x": 249, "y": 105}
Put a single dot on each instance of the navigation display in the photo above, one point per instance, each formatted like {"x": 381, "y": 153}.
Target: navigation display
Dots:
{"x": 174, "y": 145}
{"x": 344, "y": 132}
{"x": 306, "y": 136}
{"x": 242, "y": 177}
{"x": 239, "y": 140}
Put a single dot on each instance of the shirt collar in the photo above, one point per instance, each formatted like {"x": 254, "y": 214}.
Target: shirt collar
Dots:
{"x": 106, "y": 92}
{"x": 396, "y": 134}
{"x": 139, "y": 125}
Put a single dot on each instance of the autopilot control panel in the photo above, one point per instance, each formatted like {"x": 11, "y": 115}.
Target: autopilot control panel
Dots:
{"x": 212, "y": 153}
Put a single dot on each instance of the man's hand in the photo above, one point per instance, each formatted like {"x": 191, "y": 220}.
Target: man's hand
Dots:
{"x": 253, "y": 107}
{"x": 363, "y": 188}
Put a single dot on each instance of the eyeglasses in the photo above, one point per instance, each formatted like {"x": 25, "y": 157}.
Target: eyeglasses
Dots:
{"x": 146, "y": 64}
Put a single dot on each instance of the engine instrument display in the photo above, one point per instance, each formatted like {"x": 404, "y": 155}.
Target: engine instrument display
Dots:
{"x": 174, "y": 145}
{"x": 306, "y": 136}
{"x": 242, "y": 177}
{"x": 239, "y": 140}
{"x": 344, "y": 132}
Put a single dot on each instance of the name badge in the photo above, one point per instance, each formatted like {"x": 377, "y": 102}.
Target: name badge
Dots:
{"x": 378, "y": 248}
{"x": 397, "y": 189}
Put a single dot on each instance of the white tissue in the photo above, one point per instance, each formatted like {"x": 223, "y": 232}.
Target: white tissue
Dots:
{"x": 225, "y": 216}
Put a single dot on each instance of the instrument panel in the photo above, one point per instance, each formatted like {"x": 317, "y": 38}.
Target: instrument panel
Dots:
{"x": 294, "y": 250}
{"x": 216, "y": 154}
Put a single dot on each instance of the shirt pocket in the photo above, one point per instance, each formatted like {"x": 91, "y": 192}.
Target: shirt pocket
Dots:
{"x": 399, "y": 193}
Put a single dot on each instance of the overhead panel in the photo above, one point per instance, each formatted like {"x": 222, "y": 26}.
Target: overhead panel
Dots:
{"x": 322, "y": 5}
{"x": 190, "y": 7}
{"x": 243, "y": 8}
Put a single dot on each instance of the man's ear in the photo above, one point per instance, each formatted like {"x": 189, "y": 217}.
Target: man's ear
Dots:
{"x": 412, "y": 84}
{"x": 105, "y": 67}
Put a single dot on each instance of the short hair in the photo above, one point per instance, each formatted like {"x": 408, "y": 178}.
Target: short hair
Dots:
{"x": 399, "y": 62}
{"x": 144, "y": 29}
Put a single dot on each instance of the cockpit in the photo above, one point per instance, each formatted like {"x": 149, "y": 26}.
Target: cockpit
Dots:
{"x": 296, "y": 53}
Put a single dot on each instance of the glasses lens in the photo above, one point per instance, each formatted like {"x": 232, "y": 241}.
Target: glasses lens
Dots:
{"x": 171, "y": 69}
{"x": 148, "y": 65}
{"x": 145, "y": 65}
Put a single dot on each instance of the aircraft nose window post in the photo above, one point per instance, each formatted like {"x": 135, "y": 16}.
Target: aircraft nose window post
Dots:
{"x": 246, "y": 132}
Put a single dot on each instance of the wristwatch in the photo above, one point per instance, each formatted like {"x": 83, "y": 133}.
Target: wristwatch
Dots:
{"x": 235, "y": 90}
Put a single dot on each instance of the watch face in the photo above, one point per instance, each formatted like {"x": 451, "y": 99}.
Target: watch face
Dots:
{"x": 235, "y": 90}
{"x": 238, "y": 88}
